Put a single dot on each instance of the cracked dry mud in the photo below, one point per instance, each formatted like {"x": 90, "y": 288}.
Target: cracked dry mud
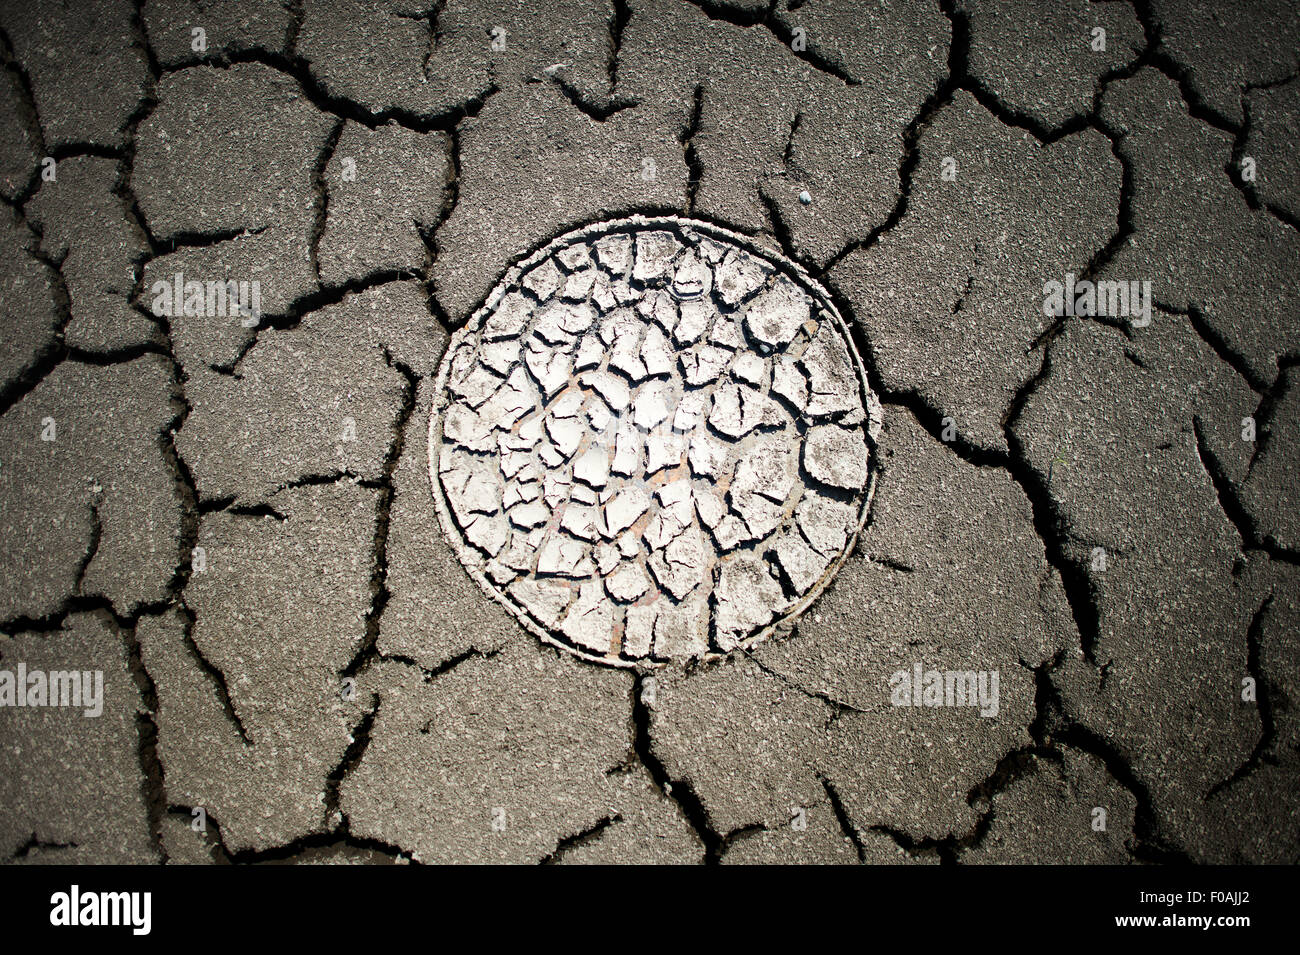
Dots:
{"x": 235, "y": 521}
{"x": 652, "y": 442}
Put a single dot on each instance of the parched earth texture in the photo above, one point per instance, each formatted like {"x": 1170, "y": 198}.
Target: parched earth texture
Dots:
{"x": 230, "y": 514}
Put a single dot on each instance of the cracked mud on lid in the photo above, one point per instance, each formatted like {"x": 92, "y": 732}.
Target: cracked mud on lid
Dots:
{"x": 653, "y": 442}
